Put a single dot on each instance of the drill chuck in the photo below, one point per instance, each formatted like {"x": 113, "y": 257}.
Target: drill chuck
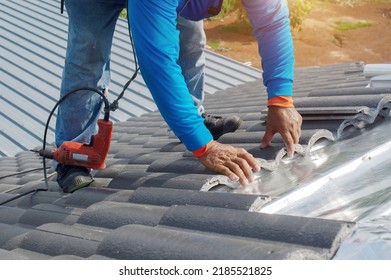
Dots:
{"x": 47, "y": 153}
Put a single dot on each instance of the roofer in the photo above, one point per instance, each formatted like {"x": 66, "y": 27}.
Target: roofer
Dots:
{"x": 170, "y": 53}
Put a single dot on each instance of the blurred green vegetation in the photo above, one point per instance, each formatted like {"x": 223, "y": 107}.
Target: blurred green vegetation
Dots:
{"x": 348, "y": 25}
{"x": 354, "y": 2}
{"x": 214, "y": 44}
{"x": 123, "y": 14}
{"x": 298, "y": 10}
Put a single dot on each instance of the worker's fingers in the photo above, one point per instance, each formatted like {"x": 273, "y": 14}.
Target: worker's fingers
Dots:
{"x": 285, "y": 121}
{"x": 296, "y": 128}
{"x": 235, "y": 172}
{"x": 296, "y": 135}
{"x": 267, "y": 138}
{"x": 289, "y": 143}
{"x": 245, "y": 168}
{"x": 238, "y": 171}
{"x": 233, "y": 162}
{"x": 254, "y": 164}
{"x": 224, "y": 170}
{"x": 292, "y": 138}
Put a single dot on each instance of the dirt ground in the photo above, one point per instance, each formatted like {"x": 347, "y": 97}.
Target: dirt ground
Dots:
{"x": 318, "y": 42}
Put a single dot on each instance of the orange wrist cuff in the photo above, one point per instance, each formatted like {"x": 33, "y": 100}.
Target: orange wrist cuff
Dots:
{"x": 201, "y": 151}
{"x": 281, "y": 101}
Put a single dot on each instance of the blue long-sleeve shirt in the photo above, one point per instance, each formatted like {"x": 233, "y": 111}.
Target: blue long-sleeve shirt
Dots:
{"x": 156, "y": 42}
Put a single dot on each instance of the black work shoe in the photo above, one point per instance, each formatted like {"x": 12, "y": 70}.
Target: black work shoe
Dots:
{"x": 219, "y": 125}
{"x": 72, "y": 178}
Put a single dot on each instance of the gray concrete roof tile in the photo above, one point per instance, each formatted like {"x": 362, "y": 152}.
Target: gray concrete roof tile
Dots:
{"x": 132, "y": 151}
{"x": 168, "y": 197}
{"x": 140, "y": 242}
{"x": 9, "y": 255}
{"x": 112, "y": 171}
{"x": 88, "y": 196}
{"x": 10, "y": 232}
{"x": 349, "y": 91}
{"x": 48, "y": 197}
{"x": 125, "y": 138}
{"x": 111, "y": 215}
{"x": 30, "y": 255}
{"x": 55, "y": 239}
{"x": 7, "y": 187}
{"x": 178, "y": 165}
{"x": 132, "y": 180}
{"x": 174, "y": 146}
{"x": 49, "y": 213}
{"x": 278, "y": 228}
{"x": 10, "y": 215}
{"x": 66, "y": 257}
{"x": 100, "y": 183}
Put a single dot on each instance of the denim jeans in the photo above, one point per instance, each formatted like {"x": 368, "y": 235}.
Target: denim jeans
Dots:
{"x": 87, "y": 64}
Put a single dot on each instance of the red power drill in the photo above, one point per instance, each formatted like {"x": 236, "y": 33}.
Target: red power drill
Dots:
{"x": 90, "y": 155}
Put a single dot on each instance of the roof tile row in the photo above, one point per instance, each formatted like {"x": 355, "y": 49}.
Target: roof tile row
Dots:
{"x": 155, "y": 201}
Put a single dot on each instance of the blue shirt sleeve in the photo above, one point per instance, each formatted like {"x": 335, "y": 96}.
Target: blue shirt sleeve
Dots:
{"x": 156, "y": 42}
{"x": 270, "y": 21}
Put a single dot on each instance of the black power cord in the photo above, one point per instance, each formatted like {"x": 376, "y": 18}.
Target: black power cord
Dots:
{"x": 106, "y": 118}
{"x": 21, "y": 172}
{"x": 62, "y": 99}
{"x": 107, "y": 108}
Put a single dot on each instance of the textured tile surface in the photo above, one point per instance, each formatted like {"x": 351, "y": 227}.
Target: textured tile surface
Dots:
{"x": 155, "y": 201}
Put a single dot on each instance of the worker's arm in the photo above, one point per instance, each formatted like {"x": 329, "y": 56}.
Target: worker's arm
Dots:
{"x": 270, "y": 21}
{"x": 156, "y": 42}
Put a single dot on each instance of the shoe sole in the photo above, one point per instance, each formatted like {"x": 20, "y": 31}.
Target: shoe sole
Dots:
{"x": 78, "y": 182}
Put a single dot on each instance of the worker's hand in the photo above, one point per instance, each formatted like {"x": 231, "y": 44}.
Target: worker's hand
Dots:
{"x": 285, "y": 121}
{"x": 236, "y": 163}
